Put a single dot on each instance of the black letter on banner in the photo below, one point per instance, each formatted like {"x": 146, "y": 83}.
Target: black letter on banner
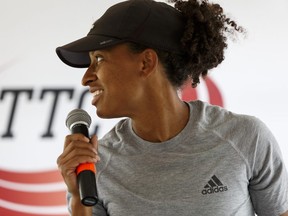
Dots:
{"x": 82, "y": 98}
{"x": 15, "y": 93}
{"x": 56, "y": 93}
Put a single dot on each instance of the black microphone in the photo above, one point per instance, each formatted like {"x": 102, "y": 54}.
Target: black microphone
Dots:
{"x": 78, "y": 121}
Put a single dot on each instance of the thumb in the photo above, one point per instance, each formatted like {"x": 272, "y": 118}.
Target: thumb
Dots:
{"x": 94, "y": 142}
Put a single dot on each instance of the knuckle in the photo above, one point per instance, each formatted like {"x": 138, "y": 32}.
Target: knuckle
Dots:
{"x": 58, "y": 161}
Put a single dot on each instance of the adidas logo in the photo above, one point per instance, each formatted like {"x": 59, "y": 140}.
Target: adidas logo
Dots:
{"x": 214, "y": 185}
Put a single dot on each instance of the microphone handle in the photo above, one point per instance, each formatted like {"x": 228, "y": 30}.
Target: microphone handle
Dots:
{"x": 80, "y": 128}
{"x": 86, "y": 174}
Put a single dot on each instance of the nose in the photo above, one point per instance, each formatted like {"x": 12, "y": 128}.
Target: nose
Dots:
{"x": 89, "y": 76}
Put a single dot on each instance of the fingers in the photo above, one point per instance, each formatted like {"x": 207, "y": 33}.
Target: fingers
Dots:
{"x": 94, "y": 142}
{"x": 75, "y": 137}
{"x": 78, "y": 149}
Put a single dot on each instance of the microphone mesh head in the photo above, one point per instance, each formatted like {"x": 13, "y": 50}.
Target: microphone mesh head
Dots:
{"x": 78, "y": 116}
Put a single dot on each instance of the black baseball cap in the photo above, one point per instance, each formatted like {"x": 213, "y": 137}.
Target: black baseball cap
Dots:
{"x": 147, "y": 22}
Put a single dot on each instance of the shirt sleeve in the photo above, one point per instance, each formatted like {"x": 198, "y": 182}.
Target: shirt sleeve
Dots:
{"x": 268, "y": 185}
{"x": 99, "y": 210}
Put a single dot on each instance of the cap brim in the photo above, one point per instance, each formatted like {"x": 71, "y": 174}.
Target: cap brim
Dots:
{"x": 76, "y": 54}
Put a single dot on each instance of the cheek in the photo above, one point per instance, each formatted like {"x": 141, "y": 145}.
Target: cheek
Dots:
{"x": 122, "y": 78}
{"x": 122, "y": 93}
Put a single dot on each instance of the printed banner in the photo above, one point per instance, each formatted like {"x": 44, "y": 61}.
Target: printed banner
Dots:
{"x": 37, "y": 90}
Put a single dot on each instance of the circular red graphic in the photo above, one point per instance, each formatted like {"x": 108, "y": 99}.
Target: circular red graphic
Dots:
{"x": 215, "y": 98}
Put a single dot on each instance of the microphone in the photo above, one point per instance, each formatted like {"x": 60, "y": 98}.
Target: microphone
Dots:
{"x": 78, "y": 121}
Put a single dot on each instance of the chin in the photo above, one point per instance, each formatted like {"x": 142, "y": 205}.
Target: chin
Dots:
{"x": 101, "y": 114}
{"x": 104, "y": 114}
{"x": 108, "y": 114}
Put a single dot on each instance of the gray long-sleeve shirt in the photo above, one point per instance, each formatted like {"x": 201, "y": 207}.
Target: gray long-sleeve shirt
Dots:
{"x": 220, "y": 164}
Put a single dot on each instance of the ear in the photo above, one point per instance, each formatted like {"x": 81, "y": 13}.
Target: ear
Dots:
{"x": 149, "y": 62}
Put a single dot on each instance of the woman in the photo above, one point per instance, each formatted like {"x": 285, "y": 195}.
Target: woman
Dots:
{"x": 167, "y": 157}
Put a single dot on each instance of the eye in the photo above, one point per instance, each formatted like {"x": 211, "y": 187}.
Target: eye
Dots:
{"x": 96, "y": 58}
{"x": 99, "y": 59}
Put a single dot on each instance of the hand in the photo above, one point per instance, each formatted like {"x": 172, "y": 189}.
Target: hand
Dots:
{"x": 77, "y": 149}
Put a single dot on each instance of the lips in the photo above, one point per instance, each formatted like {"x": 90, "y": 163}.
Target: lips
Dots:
{"x": 96, "y": 93}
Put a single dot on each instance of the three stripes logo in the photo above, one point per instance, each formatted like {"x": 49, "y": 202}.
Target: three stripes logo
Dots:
{"x": 214, "y": 185}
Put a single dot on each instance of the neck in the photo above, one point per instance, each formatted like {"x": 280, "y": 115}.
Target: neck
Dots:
{"x": 163, "y": 119}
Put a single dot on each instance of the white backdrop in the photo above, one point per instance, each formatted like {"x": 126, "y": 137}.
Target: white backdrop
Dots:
{"x": 33, "y": 82}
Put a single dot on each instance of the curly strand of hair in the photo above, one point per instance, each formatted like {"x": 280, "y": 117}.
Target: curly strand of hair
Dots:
{"x": 234, "y": 25}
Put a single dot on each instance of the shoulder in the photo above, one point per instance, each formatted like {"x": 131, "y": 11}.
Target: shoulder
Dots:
{"x": 213, "y": 116}
{"x": 246, "y": 134}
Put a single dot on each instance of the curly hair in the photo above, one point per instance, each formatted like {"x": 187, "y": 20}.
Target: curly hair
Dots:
{"x": 203, "y": 41}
